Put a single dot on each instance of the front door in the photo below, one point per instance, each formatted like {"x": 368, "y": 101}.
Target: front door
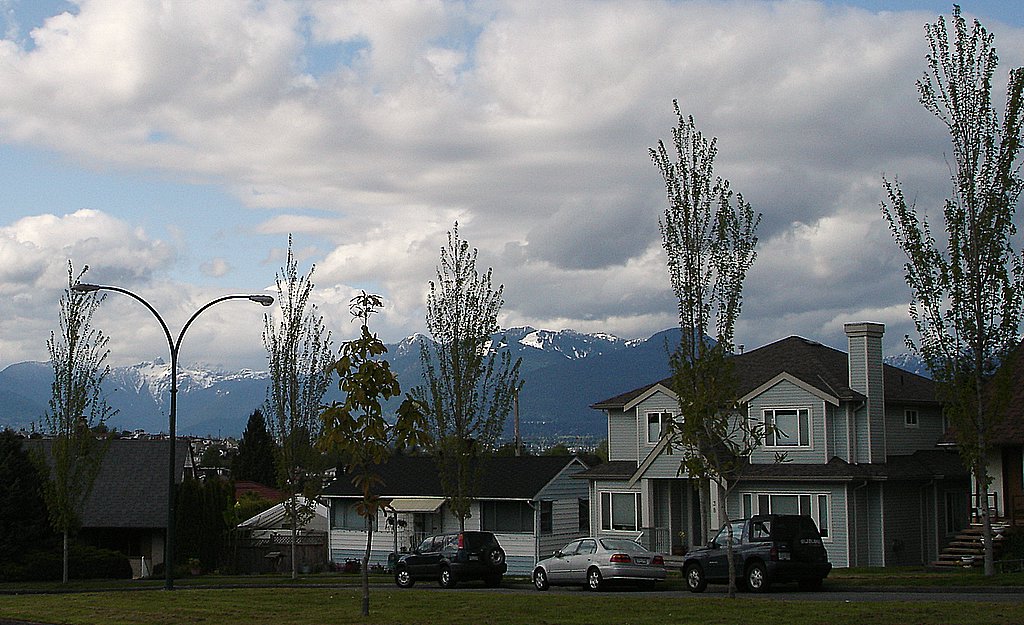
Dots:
{"x": 558, "y": 567}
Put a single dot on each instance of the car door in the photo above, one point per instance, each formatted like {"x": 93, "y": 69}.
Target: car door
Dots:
{"x": 580, "y": 562}
{"x": 558, "y": 565}
{"x": 424, "y": 561}
{"x": 717, "y": 567}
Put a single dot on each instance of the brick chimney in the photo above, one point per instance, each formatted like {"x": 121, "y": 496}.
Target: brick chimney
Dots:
{"x": 865, "y": 354}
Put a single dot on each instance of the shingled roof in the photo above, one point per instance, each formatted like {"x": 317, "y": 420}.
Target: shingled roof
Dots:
{"x": 817, "y": 365}
{"x": 503, "y": 477}
{"x": 131, "y": 488}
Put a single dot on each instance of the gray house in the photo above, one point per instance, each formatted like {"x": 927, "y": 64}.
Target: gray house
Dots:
{"x": 861, "y": 442}
{"x": 532, "y": 504}
{"x": 127, "y": 508}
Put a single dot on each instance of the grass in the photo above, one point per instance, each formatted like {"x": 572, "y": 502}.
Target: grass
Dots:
{"x": 318, "y": 599}
{"x": 315, "y": 606}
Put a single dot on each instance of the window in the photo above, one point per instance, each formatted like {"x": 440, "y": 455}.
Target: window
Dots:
{"x": 587, "y": 547}
{"x": 583, "y": 505}
{"x": 787, "y": 428}
{"x": 910, "y": 418}
{"x": 815, "y": 506}
{"x": 345, "y": 517}
{"x": 620, "y": 511}
{"x": 506, "y": 516}
{"x": 748, "y": 505}
{"x": 546, "y": 516}
{"x": 656, "y": 423}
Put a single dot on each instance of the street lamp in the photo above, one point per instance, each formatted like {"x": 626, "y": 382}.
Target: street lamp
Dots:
{"x": 263, "y": 300}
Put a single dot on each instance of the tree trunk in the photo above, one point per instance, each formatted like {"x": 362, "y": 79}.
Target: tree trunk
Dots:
{"x": 366, "y": 567}
{"x": 66, "y": 550}
{"x": 986, "y": 518}
{"x": 732, "y": 564}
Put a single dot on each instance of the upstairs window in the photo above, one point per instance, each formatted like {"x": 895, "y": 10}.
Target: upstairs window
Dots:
{"x": 656, "y": 424}
{"x": 910, "y": 418}
{"x": 790, "y": 427}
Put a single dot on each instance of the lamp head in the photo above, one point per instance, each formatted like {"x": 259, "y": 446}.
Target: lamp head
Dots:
{"x": 82, "y": 287}
{"x": 263, "y": 300}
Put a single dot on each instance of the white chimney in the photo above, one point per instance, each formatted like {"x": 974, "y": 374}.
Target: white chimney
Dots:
{"x": 865, "y": 357}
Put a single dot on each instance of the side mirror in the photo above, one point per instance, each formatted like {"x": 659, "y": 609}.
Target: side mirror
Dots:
{"x": 712, "y": 545}
{"x": 558, "y": 554}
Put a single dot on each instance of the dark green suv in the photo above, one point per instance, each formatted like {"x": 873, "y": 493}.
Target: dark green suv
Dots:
{"x": 767, "y": 548}
{"x": 452, "y": 558}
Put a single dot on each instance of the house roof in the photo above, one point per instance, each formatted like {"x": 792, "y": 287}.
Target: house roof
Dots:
{"x": 819, "y": 366}
{"x": 922, "y": 464}
{"x": 260, "y": 490}
{"x": 503, "y": 477}
{"x": 613, "y": 470}
{"x": 273, "y": 517}
{"x": 131, "y": 488}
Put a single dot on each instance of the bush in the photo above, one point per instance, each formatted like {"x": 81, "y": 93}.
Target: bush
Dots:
{"x": 84, "y": 563}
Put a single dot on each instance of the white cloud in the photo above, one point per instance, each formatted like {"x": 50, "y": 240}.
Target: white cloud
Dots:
{"x": 528, "y": 122}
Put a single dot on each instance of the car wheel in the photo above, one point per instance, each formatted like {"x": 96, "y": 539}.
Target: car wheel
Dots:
{"x": 756, "y": 578}
{"x": 492, "y": 581}
{"x": 810, "y": 584}
{"x": 446, "y": 579}
{"x": 594, "y": 580}
{"x": 694, "y": 576}
{"x": 496, "y": 557}
{"x": 403, "y": 578}
{"x": 540, "y": 579}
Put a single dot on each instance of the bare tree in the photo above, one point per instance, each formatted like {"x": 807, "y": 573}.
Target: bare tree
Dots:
{"x": 78, "y": 355}
{"x": 708, "y": 233}
{"x": 967, "y": 290}
{"x": 469, "y": 383}
{"x": 299, "y": 353}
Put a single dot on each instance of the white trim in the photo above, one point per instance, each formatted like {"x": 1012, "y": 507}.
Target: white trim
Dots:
{"x": 788, "y": 377}
{"x": 810, "y": 428}
{"x": 642, "y": 397}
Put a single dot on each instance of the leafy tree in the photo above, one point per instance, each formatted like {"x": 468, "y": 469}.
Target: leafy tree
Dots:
{"x": 469, "y": 384}
{"x": 299, "y": 352}
{"x": 254, "y": 460}
{"x": 24, "y": 526}
{"x": 708, "y": 233}
{"x": 202, "y": 516}
{"x": 357, "y": 427}
{"x": 967, "y": 290}
{"x": 78, "y": 356}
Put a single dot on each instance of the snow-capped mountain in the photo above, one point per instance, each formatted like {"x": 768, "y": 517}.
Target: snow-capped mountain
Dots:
{"x": 564, "y": 372}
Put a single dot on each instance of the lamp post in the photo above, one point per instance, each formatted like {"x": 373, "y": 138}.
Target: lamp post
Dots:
{"x": 173, "y": 345}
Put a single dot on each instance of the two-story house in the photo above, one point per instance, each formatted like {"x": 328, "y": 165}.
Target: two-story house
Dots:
{"x": 860, "y": 443}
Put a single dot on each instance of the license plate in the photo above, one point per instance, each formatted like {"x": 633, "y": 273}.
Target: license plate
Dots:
{"x": 473, "y": 556}
{"x": 641, "y": 560}
{"x": 783, "y": 556}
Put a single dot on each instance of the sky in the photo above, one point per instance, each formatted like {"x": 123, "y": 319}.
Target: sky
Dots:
{"x": 173, "y": 147}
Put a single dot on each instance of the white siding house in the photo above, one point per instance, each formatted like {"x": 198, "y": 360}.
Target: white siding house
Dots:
{"x": 533, "y": 505}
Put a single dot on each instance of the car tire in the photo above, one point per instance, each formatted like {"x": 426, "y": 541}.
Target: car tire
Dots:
{"x": 810, "y": 584}
{"x": 756, "y": 578}
{"x": 540, "y": 579}
{"x": 493, "y": 581}
{"x": 446, "y": 579}
{"x": 693, "y": 575}
{"x": 403, "y": 579}
{"x": 496, "y": 557}
{"x": 594, "y": 580}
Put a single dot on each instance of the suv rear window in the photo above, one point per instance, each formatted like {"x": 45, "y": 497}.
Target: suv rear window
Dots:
{"x": 478, "y": 540}
{"x": 790, "y": 527}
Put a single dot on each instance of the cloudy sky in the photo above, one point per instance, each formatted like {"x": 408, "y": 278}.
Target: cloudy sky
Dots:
{"x": 174, "y": 146}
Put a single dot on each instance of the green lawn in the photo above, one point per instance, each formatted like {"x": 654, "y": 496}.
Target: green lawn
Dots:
{"x": 334, "y": 598}
{"x": 317, "y": 606}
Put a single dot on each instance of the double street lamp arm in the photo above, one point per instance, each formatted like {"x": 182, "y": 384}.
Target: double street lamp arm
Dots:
{"x": 173, "y": 345}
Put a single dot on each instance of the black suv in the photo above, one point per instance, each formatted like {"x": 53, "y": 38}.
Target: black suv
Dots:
{"x": 451, "y": 558}
{"x": 767, "y": 548}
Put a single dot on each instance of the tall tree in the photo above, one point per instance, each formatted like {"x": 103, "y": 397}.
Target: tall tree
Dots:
{"x": 78, "y": 355}
{"x": 299, "y": 352}
{"x": 967, "y": 290}
{"x": 254, "y": 460}
{"x": 357, "y": 428}
{"x": 708, "y": 233}
{"x": 469, "y": 383}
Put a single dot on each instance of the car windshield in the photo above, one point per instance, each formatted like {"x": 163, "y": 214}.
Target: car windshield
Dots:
{"x": 621, "y": 544}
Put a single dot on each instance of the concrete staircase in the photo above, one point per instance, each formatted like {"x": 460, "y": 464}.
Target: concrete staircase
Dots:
{"x": 968, "y": 548}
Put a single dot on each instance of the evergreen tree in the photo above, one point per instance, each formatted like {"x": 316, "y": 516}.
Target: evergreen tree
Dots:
{"x": 24, "y": 527}
{"x": 254, "y": 461}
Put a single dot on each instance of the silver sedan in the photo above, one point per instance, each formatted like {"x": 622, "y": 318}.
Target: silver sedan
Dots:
{"x": 593, "y": 562}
